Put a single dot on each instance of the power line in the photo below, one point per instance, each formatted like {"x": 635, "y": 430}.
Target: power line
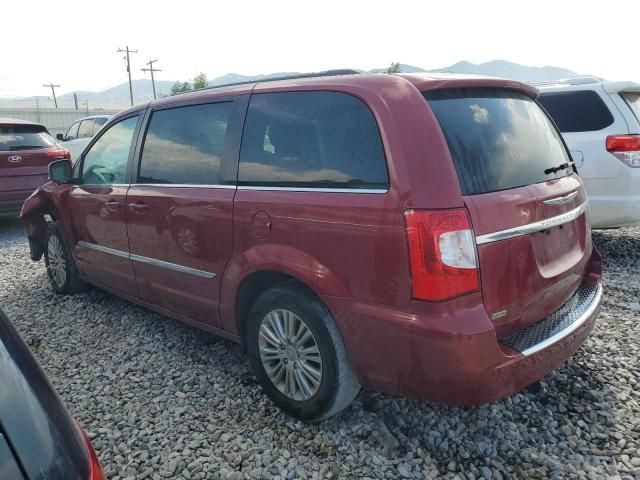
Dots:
{"x": 129, "y": 69}
{"x": 151, "y": 69}
{"x": 53, "y": 91}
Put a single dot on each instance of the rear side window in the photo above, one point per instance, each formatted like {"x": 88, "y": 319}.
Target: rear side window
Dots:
{"x": 311, "y": 139}
{"x": 184, "y": 145}
{"x": 577, "y": 111}
{"x": 24, "y": 137}
{"x": 100, "y": 121}
{"x": 633, "y": 100}
{"x": 498, "y": 139}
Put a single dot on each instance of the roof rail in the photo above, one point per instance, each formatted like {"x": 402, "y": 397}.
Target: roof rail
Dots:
{"x": 325, "y": 73}
{"x": 571, "y": 81}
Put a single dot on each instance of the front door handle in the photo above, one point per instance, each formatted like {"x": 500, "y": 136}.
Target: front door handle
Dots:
{"x": 113, "y": 205}
{"x": 138, "y": 207}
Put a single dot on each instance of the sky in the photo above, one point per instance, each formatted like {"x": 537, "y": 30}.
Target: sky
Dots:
{"x": 74, "y": 43}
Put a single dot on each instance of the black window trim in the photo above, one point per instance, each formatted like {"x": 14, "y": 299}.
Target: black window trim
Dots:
{"x": 229, "y": 159}
{"x": 141, "y": 114}
{"x": 255, "y": 186}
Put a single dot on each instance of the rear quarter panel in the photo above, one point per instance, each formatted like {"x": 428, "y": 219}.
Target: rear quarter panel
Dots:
{"x": 349, "y": 244}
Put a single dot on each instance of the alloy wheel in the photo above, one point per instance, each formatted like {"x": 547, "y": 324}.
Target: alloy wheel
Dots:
{"x": 290, "y": 355}
{"x": 56, "y": 261}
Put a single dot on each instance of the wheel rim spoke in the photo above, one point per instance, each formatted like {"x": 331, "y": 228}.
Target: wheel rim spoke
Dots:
{"x": 313, "y": 374}
{"x": 56, "y": 261}
{"x": 269, "y": 335}
{"x": 290, "y": 354}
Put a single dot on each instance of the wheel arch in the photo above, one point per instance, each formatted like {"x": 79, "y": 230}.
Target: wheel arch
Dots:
{"x": 262, "y": 266}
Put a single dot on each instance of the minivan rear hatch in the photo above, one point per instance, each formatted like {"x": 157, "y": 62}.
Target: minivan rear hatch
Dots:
{"x": 526, "y": 204}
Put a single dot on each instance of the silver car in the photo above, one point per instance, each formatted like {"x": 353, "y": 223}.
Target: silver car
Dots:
{"x": 80, "y": 134}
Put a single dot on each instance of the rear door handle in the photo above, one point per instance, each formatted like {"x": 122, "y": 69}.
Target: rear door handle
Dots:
{"x": 138, "y": 207}
{"x": 113, "y": 205}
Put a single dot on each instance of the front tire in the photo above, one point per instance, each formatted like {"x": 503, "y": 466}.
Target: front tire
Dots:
{"x": 298, "y": 355}
{"x": 61, "y": 269}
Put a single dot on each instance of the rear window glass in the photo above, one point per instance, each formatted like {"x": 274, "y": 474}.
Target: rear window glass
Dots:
{"x": 24, "y": 137}
{"x": 633, "y": 100}
{"x": 499, "y": 139}
{"x": 577, "y": 111}
{"x": 184, "y": 145}
{"x": 311, "y": 139}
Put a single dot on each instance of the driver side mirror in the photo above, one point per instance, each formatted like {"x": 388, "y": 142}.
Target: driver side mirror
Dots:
{"x": 60, "y": 171}
{"x": 60, "y": 136}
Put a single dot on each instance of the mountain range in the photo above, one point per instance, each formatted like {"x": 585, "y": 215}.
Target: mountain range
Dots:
{"x": 118, "y": 96}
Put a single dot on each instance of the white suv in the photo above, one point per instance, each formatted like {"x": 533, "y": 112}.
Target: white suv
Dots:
{"x": 600, "y": 122}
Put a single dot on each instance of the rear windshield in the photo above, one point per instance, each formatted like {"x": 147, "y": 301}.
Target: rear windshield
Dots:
{"x": 633, "y": 100}
{"x": 24, "y": 137}
{"x": 499, "y": 139}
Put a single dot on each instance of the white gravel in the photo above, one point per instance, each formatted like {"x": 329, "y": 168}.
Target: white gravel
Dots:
{"x": 163, "y": 400}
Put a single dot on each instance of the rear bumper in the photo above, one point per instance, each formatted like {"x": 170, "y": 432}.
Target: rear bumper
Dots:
{"x": 450, "y": 353}
{"x": 11, "y": 202}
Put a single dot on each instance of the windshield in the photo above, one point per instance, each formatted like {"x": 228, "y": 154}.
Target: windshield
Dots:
{"x": 499, "y": 139}
{"x": 633, "y": 100}
{"x": 24, "y": 137}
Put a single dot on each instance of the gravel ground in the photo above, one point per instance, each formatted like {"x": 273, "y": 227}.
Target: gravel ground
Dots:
{"x": 162, "y": 400}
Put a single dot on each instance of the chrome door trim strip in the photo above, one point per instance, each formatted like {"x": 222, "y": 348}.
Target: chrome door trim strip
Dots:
{"x": 182, "y": 185}
{"x": 147, "y": 260}
{"x": 171, "y": 266}
{"x": 100, "y": 185}
{"x": 100, "y": 248}
{"x": 561, "y": 200}
{"x": 312, "y": 189}
{"x": 545, "y": 224}
{"x": 586, "y": 315}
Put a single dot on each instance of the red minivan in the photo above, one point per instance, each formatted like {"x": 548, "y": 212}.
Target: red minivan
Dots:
{"x": 26, "y": 149}
{"x": 419, "y": 235}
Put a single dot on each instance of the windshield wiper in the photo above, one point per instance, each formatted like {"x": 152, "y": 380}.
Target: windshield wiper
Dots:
{"x": 24, "y": 147}
{"x": 562, "y": 166}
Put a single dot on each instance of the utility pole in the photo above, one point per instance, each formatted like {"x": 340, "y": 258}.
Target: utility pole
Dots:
{"x": 53, "y": 91}
{"x": 151, "y": 69}
{"x": 75, "y": 99}
{"x": 129, "y": 69}
{"x": 38, "y": 108}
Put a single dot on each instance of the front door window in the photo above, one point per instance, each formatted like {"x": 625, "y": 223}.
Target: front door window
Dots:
{"x": 106, "y": 162}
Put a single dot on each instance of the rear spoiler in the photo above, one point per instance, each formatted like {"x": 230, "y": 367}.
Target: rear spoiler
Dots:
{"x": 27, "y": 127}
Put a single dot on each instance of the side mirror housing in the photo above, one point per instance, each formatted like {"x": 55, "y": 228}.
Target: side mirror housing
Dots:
{"x": 60, "y": 171}
{"x": 60, "y": 136}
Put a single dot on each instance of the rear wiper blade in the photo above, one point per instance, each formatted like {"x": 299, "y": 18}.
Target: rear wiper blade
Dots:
{"x": 24, "y": 147}
{"x": 562, "y": 166}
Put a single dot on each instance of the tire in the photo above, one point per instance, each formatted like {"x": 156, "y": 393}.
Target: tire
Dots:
{"x": 61, "y": 269}
{"x": 309, "y": 397}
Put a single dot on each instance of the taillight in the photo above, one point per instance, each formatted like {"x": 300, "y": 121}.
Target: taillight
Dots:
{"x": 59, "y": 154}
{"x": 442, "y": 251}
{"x": 95, "y": 469}
{"x": 626, "y": 148}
